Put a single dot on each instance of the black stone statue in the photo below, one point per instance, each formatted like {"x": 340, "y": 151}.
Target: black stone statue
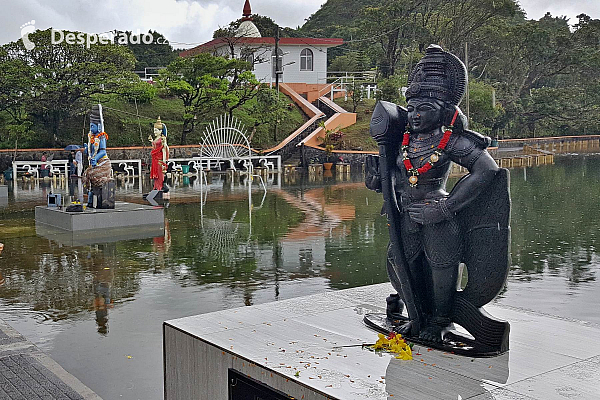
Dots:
{"x": 432, "y": 231}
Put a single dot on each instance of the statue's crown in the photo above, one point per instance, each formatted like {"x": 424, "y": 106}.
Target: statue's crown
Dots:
{"x": 158, "y": 124}
{"x": 439, "y": 75}
{"x": 96, "y": 115}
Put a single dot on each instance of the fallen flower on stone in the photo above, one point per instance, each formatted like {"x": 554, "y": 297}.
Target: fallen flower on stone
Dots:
{"x": 394, "y": 343}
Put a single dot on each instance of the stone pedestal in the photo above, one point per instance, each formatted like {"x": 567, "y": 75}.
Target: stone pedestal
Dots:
{"x": 89, "y": 237}
{"x": 104, "y": 196}
{"x": 342, "y": 168}
{"x": 289, "y": 169}
{"x": 124, "y": 215}
{"x": 312, "y": 348}
{"x": 315, "y": 169}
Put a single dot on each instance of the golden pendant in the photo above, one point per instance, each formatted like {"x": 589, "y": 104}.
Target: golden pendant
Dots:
{"x": 434, "y": 158}
{"x": 413, "y": 180}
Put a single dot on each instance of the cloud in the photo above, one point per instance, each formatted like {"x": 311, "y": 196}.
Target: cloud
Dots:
{"x": 536, "y": 9}
{"x": 181, "y": 21}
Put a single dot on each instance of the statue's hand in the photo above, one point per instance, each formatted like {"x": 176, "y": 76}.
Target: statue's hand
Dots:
{"x": 372, "y": 176}
{"x": 431, "y": 212}
{"x": 93, "y": 162}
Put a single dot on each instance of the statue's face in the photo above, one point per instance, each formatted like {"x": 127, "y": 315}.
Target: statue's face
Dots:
{"x": 95, "y": 128}
{"x": 424, "y": 114}
{"x": 157, "y": 132}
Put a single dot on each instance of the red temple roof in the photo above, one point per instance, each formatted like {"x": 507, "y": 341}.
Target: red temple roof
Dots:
{"x": 218, "y": 42}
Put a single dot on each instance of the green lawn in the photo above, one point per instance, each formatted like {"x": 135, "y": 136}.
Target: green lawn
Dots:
{"x": 356, "y": 137}
{"x": 124, "y": 128}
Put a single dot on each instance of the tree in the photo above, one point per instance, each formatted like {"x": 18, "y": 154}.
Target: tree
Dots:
{"x": 546, "y": 72}
{"x": 390, "y": 26}
{"x": 62, "y": 78}
{"x": 206, "y": 83}
{"x": 484, "y": 114}
{"x": 158, "y": 53}
{"x": 269, "y": 107}
{"x": 356, "y": 93}
{"x": 354, "y": 61}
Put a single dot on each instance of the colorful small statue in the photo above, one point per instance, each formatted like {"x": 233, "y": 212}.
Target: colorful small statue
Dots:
{"x": 160, "y": 155}
{"x": 99, "y": 172}
{"x": 432, "y": 231}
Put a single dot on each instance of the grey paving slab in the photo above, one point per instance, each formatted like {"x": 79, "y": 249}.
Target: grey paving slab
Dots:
{"x": 501, "y": 394}
{"x": 26, "y": 373}
{"x": 579, "y": 380}
{"x": 315, "y": 342}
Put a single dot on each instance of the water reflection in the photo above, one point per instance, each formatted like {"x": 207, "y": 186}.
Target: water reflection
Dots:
{"x": 245, "y": 241}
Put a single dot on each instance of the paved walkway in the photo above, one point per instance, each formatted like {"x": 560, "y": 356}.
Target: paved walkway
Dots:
{"x": 26, "y": 373}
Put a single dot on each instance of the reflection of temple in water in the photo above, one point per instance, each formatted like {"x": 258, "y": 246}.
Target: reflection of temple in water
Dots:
{"x": 305, "y": 244}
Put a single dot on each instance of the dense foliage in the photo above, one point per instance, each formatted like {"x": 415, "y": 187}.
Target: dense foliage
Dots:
{"x": 528, "y": 77}
{"x": 46, "y": 94}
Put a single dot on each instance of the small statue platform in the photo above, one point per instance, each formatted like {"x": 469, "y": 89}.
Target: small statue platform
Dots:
{"x": 124, "y": 215}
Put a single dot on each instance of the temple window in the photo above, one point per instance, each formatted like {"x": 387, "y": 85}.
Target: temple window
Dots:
{"x": 306, "y": 60}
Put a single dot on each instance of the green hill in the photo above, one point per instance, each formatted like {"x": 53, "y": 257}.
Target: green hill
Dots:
{"x": 335, "y": 18}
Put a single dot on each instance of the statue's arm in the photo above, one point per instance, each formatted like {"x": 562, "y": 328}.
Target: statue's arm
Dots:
{"x": 472, "y": 155}
{"x": 481, "y": 174}
{"x": 101, "y": 150}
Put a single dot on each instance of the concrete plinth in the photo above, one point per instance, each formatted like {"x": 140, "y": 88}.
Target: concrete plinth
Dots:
{"x": 124, "y": 215}
{"x": 311, "y": 348}
{"x": 342, "y": 168}
{"x": 3, "y": 192}
{"x": 107, "y": 235}
{"x": 315, "y": 169}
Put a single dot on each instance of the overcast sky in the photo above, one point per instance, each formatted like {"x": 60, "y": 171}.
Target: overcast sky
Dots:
{"x": 189, "y": 22}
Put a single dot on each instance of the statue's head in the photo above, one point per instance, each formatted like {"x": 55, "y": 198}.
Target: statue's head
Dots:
{"x": 96, "y": 119}
{"x": 436, "y": 86}
{"x": 160, "y": 128}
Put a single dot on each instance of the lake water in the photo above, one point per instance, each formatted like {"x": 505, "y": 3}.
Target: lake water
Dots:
{"x": 98, "y": 310}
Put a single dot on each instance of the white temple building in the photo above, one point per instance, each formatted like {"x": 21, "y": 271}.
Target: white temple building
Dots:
{"x": 302, "y": 60}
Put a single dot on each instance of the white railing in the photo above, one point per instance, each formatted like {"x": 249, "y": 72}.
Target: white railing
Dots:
{"x": 345, "y": 81}
{"x": 129, "y": 166}
{"x": 272, "y": 163}
{"x": 146, "y": 75}
{"x": 33, "y": 167}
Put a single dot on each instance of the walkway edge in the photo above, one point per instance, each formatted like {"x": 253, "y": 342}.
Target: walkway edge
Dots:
{"x": 40, "y": 372}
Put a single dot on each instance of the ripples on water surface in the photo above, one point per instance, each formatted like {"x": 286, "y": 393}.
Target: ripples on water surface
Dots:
{"x": 98, "y": 309}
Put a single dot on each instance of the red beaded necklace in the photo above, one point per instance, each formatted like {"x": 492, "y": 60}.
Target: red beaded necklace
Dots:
{"x": 415, "y": 172}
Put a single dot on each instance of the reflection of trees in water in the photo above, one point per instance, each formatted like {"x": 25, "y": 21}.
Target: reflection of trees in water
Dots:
{"x": 59, "y": 283}
{"x": 555, "y": 220}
